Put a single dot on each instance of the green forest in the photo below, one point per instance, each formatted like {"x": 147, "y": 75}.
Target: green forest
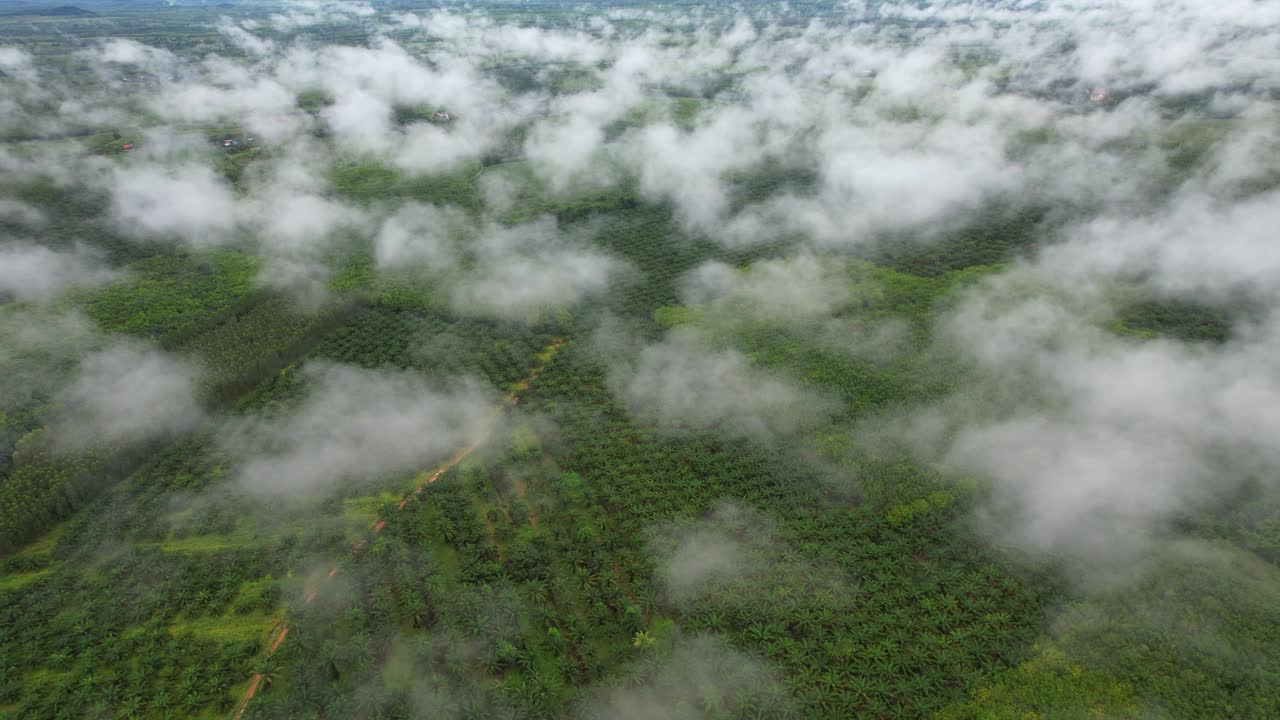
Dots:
{"x": 647, "y": 361}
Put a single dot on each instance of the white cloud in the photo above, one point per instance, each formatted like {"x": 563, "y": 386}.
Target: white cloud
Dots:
{"x": 419, "y": 234}
{"x": 187, "y": 201}
{"x": 357, "y": 426}
{"x": 522, "y": 271}
{"x": 805, "y": 286}
{"x": 127, "y": 393}
{"x": 20, "y": 213}
{"x": 1095, "y": 444}
{"x": 33, "y": 271}
{"x": 682, "y": 384}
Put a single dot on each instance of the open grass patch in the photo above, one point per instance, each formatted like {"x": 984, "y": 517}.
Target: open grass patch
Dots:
{"x": 229, "y": 628}
{"x": 363, "y": 511}
{"x": 45, "y": 544}
{"x": 244, "y": 537}
{"x": 17, "y": 580}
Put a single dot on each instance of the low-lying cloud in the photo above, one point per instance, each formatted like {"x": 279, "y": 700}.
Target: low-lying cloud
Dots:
{"x": 517, "y": 272}
{"x": 1095, "y": 444}
{"x": 127, "y": 393}
{"x": 703, "y": 677}
{"x": 30, "y": 271}
{"x": 697, "y": 556}
{"x": 683, "y": 384}
{"x": 187, "y": 202}
{"x": 1150, "y": 126}
{"x": 357, "y": 426}
{"x": 803, "y": 287}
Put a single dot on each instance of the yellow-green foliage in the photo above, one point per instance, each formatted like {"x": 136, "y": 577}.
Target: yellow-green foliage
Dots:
{"x": 1200, "y": 629}
{"x": 673, "y": 316}
{"x": 167, "y": 295}
{"x": 17, "y": 580}
{"x": 361, "y": 512}
{"x": 228, "y": 627}
{"x": 45, "y": 544}
{"x": 110, "y": 141}
{"x": 1048, "y": 687}
{"x": 313, "y": 100}
{"x": 570, "y": 488}
{"x": 243, "y": 537}
{"x": 363, "y": 179}
{"x": 45, "y": 487}
{"x": 906, "y": 512}
{"x": 411, "y": 289}
{"x": 369, "y": 181}
{"x": 524, "y": 443}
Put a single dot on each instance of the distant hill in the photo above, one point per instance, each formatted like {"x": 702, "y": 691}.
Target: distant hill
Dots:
{"x": 60, "y": 11}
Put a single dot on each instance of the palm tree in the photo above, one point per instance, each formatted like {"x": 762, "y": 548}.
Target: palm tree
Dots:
{"x": 333, "y": 656}
{"x": 192, "y": 701}
{"x": 586, "y": 579}
{"x": 162, "y": 700}
{"x": 415, "y": 610}
{"x": 556, "y": 639}
{"x": 132, "y": 705}
{"x": 756, "y": 633}
{"x": 643, "y": 640}
{"x": 525, "y": 660}
{"x": 269, "y": 668}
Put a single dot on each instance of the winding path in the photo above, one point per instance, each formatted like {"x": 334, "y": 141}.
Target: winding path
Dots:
{"x": 510, "y": 400}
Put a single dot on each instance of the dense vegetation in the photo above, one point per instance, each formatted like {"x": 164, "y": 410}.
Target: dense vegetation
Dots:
{"x": 539, "y": 569}
{"x": 526, "y": 582}
{"x": 173, "y": 297}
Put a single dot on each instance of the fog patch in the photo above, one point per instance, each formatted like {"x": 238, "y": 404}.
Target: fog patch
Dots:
{"x": 20, "y": 213}
{"x": 1197, "y": 245}
{"x": 419, "y": 234}
{"x": 38, "y": 347}
{"x": 358, "y": 426}
{"x": 702, "y": 677}
{"x": 695, "y": 557}
{"x": 514, "y": 272}
{"x": 127, "y": 393}
{"x": 1094, "y": 445}
{"x": 802, "y": 287}
{"x": 33, "y": 271}
{"x": 682, "y": 384}
{"x": 187, "y": 202}
{"x": 123, "y": 51}
{"x": 531, "y": 281}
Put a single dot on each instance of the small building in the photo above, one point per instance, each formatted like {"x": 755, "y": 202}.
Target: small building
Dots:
{"x": 127, "y": 147}
{"x": 1097, "y": 95}
{"x": 441, "y": 116}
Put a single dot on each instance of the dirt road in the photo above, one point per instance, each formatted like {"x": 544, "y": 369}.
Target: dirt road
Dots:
{"x": 510, "y": 400}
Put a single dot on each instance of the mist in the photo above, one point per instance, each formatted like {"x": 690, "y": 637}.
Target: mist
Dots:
{"x": 356, "y": 426}
{"x": 702, "y": 675}
{"x": 681, "y": 384}
{"x": 866, "y": 355}
{"x": 30, "y": 271}
{"x": 127, "y": 392}
{"x": 897, "y": 139}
